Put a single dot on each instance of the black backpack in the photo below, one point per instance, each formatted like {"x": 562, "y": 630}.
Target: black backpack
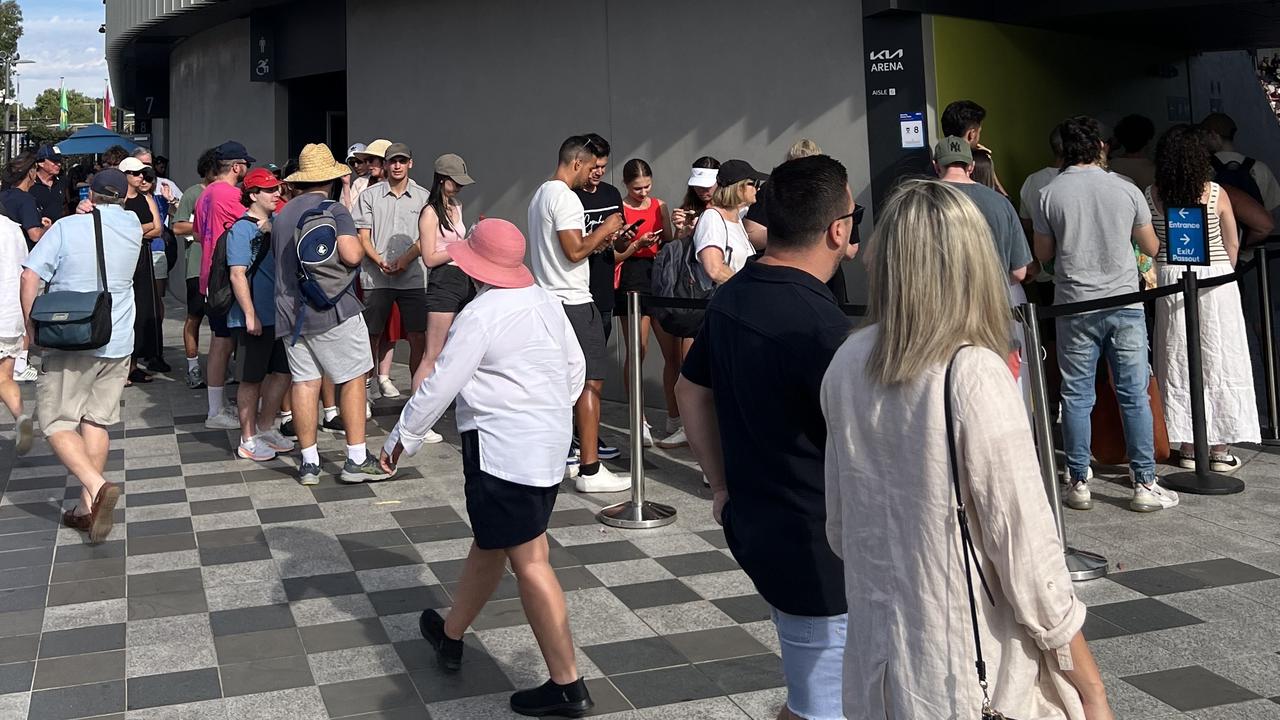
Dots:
{"x": 221, "y": 297}
{"x": 1237, "y": 175}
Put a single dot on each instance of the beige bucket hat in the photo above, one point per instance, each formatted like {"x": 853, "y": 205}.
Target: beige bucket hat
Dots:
{"x": 316, "y": 164}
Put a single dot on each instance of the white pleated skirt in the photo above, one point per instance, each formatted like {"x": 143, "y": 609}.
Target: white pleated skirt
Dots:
{"x": 1231, "y": 414}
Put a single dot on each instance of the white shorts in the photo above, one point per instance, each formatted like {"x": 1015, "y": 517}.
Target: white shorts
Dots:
{"x": 10, "y": 347}
{"x": 340, "y": 353}
{"x": 159, "y": 265}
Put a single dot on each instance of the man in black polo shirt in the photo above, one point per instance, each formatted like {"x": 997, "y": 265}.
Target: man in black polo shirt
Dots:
{"x": 762, "y": 448}
{"x": 50, "y": 187}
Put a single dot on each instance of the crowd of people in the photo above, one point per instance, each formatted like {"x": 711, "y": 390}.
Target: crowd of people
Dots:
{"x": 309, "y": 274}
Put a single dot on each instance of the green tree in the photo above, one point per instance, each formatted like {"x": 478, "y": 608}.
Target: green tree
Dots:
{"x": 10, "y": 30}
{"x": 45, "y": 111}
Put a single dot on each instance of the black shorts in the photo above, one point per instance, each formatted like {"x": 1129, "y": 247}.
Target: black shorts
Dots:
{"x": 260, "y": 354}
{"x": 503, "y": 514}
{"x": 413, "y": 308}
{"x": 218, "y": 324}
{"x": 636, "y": 276}
{"x": 195, "y": 301}
{"x": 449, "y": 289}
{"x": 588, "y": 326}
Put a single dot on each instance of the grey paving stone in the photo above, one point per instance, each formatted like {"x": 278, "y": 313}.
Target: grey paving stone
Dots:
{"x": 296, "y": 704}
{"x": 1190, "y": 688}
{"x": 173, "y": 688}
{"x": 254, "y": 619}
{"x": 78, "y": 701}
{"x": 266, "y": 675}
{"x": 369, "y": 695}
{"x": 79, "y": 669}
{"x": 243, "y": 647}
{"x": 71, "y": 593}
{"x": 343, "y": 635}
{"x": 93, "y": 639}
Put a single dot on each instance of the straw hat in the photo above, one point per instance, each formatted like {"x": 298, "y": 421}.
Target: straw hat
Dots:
{"x": 316, "y": 164}
{"x": 493, "y": 254}
{"x": 377, "y": 148}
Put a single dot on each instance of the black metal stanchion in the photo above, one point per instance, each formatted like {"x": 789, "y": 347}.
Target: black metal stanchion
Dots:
{"x": 1202, "y": 481}
{"x": 636, "y": 513}
{"x": 1268, "y": 342}
{"x": 1081, "y": 564}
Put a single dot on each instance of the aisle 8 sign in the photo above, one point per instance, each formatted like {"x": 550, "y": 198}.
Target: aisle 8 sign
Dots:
{"x": 912, "y": 125}
{"x": 1187, "y": 235}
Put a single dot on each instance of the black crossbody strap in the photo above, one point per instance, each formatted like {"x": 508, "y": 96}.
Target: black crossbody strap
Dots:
{"x": 966, "y": 538}
{"x": 97, "y": 236}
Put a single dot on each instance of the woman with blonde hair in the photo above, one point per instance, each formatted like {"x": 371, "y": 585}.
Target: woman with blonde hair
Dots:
{"x": 917, "y": 394}
{"x": 719, "y": 239}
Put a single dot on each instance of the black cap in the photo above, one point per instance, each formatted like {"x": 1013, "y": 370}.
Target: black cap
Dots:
{"x": 232, "y": 150}
{"x": 110, "y": 182}
{"x": 735, "y": 171}
{"x": 48, "y": 152}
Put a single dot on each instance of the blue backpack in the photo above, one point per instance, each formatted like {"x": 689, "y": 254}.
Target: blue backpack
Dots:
{"x": 322, "y": 277}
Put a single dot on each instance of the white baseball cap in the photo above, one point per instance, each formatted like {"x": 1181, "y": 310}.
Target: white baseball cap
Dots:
{"x": 131, "y": 164}
{"x": 703, "y": 177}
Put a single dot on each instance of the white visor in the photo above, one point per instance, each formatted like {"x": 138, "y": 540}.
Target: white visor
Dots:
{"x": 703, "y": 177}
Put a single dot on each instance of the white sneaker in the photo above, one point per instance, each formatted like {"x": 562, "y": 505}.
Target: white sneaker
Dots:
{"x": 275, "y": 440}
{"x": 674, "y": 424}
{"x": 674, "y": 440}
{"x": 226, "y": 419}
{"x": 387, "y": 388}
{"x": 368, "y": 409}
{"x": 571, "y": 464}
{"x": 1150, "y": 498}
{"x": 604, "y": 481}
{"x": 647, "y": 435}
{"x": 432, "y": 437}
{"x": 27, "y": 375}
{"x": 1218, "y": 462}
{"x": 255, "y": 449}
{"x": 1076, "y": 495}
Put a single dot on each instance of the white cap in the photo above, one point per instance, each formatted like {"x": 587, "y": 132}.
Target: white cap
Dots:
{"x": 131, "y": 164}
{"x": 355, "y": 149}
{"x": 703, "y": 177}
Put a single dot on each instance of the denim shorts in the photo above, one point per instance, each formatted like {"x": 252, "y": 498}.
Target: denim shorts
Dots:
{"x": 813, "y": 663}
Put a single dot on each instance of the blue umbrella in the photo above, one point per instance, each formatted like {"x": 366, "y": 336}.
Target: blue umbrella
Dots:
{"x": 92, "y": 140}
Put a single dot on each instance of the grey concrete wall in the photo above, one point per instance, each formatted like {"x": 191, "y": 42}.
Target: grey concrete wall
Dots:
{"x": 1229, "y": 81}
{"x": 211, "y": 100}
{"x": 503, "y": 83}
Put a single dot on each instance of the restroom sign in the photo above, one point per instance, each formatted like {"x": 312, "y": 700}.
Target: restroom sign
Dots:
{"x": 1187, "y": 236}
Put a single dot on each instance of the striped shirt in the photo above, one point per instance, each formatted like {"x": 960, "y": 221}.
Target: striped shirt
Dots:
{"x": 1217, "y": 251}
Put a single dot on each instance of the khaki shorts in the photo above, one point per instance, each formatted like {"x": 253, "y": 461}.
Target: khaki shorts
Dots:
{"x": 10, "y": 347}
{"x": 340, "y": 353}
{"x": 77, "y": 386}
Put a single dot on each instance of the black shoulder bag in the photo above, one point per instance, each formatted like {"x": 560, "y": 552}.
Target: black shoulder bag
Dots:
{"x": 968, "y": 551}
{"x": 69, "y": 320}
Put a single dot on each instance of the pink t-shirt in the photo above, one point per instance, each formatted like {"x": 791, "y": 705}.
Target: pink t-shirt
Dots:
{"x": 217, "y": 209}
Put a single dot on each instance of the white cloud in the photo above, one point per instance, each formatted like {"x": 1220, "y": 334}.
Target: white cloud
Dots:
{"x": 62, "y": 37}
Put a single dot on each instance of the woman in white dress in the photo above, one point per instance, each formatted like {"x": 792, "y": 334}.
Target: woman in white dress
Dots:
{"x": 1184, "y": 178}
{"x": 936, "y": 294}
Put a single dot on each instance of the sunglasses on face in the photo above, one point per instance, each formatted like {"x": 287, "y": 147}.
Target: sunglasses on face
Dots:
{"x": 133, "y": 173}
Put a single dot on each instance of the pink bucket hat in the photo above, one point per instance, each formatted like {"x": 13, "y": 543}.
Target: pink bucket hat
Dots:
{"x": 493, "y": 254}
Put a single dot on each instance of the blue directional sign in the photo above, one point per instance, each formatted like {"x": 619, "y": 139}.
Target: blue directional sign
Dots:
{"x": 1187, "y": 234}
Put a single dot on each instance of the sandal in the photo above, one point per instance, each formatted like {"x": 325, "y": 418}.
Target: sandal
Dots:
{"x": 104, "y": 505}
{"x": 137, "y": 376}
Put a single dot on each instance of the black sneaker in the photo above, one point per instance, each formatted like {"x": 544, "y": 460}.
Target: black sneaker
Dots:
{"x": 572, "y": 700}
{"x": 286, "y": 429}
{"x": 603, "y": 451}
{"x": 448, "y": 650}
{"x": 368, "y": 471}
{"x": 334, "y": 426}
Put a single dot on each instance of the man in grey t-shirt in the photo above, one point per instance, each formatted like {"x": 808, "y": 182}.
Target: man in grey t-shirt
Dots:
{"x": 953, "y": 160}
{"x": 331, "y": 343}
{"x": 1090, "y": 219}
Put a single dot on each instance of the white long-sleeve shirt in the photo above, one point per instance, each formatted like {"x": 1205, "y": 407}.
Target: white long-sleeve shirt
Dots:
{"x": 13, "y": 252}
{"x": 515, "y": 366}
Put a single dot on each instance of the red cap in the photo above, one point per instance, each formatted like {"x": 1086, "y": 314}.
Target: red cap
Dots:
{"x": 259, "y": 178}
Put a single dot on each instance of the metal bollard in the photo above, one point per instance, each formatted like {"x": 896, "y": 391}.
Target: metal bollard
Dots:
{"x": 1268, "y": 343}
{"x": 1202, "y": 481}
{"x": 636, "y": 513}
{"x": 1081, "y": 564}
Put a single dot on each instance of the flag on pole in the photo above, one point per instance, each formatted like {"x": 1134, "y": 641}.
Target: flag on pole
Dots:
{"x": 106, "y": 108}
{"x": 62, "y": 106}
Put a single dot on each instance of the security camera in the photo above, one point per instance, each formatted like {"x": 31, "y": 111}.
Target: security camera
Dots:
{"x": 102, "y": 28}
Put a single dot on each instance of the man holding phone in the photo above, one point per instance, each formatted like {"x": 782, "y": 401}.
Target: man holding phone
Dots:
{"x": 560, "y": 244}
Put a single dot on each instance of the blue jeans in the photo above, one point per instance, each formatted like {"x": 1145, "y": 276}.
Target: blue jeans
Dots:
{"x": 1121, "y": 335}
{"x": 813, "y": 663}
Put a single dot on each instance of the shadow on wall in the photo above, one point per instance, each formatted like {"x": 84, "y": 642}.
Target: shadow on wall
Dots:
{"x": 1227, "y": 81}
{"x": 503, "y": 83}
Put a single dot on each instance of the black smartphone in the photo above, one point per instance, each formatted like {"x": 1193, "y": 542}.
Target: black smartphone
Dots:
{"x": 634, "y": 226}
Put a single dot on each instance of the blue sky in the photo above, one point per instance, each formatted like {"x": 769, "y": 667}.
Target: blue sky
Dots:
{"x": 62, "y": 37}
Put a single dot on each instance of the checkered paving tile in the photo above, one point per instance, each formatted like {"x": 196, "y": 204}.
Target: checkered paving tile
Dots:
{"x": 228, "y": 591}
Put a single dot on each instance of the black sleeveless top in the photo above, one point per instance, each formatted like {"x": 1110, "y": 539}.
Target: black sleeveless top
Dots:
{"x": 139, "y": 206}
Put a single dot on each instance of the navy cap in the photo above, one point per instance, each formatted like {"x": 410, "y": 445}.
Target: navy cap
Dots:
{"x": 48, "y": 152}
{"x": 232, "y": 150}
{"x": 110, "y": 182}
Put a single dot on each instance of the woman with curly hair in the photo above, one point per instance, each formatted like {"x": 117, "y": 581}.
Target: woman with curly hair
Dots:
{"x": 1184, "y": 178}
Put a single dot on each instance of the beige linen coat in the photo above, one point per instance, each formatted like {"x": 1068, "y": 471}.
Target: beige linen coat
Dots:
{"x": 891, "y": 517}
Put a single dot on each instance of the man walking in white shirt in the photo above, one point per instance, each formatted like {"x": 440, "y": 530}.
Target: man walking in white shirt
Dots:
{"x": 514, "y": 365}
{"x": 558, "y": 250}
